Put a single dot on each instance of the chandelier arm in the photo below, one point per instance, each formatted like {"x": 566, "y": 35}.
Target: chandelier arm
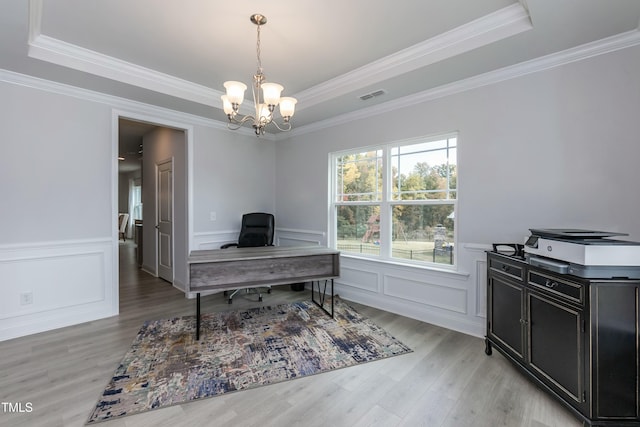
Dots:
{"x": 242, "y": 121}
{"x": 286, "y": 126}
{"x": 233, "y": 126}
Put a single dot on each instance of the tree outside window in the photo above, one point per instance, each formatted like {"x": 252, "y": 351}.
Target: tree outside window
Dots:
{"x": 397, "y": 201}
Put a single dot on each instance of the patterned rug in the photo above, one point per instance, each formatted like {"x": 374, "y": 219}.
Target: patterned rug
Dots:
{"x": 238, "y": 350}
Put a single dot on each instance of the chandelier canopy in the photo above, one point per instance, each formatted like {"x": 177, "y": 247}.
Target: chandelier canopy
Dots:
{"x": 266, "y": 96}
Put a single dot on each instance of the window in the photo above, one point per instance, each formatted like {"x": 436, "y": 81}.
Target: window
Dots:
{"x": 397, "y": 201}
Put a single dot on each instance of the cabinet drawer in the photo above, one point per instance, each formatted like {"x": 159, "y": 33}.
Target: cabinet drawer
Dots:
{"x": 571, "y": 291}
{"x": 509, "y": 268}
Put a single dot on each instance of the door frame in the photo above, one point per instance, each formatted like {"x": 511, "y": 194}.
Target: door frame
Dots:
{"x": 156, "y": 116}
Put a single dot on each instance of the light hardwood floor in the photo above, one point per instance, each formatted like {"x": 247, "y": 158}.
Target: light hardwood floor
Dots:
{"x": 447, "y": 381}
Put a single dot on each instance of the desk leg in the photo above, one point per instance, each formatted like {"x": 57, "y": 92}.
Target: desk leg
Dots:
{"x": 322, "y": 295}
{"x": 198, "y": 317}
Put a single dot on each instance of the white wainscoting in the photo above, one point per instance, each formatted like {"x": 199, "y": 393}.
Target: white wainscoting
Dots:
{"x": 69, "y": 282}
{"x": 294, "y": 237}
{"x": 212, "y": 239}
{"x": 282, "y": 237}
{"x": 438, "y": 297}
{"x": 434, "y": 294}
{"x": 451, "y": 299}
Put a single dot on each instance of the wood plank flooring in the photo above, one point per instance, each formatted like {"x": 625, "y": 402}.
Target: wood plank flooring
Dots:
{"x": 447, "y": 381}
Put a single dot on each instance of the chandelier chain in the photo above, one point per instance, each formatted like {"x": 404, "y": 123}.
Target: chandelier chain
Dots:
{"x": 258, "y": 52}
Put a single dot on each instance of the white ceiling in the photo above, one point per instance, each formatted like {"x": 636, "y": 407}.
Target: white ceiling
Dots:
{"x": 326, "y": 53}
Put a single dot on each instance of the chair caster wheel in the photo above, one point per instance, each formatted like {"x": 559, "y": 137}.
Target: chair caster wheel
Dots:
{"x": 268, "y": 291}
{"x": 259, "y": 298}
{"x": 230, "y": 301}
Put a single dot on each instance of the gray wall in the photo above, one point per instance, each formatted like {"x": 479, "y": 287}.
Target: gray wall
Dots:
{"x": 55, "y": 167}
{"x": 558, "y": 148}
{"x": 551, "y": 149}
{"x": 59, "y": 195}
{"x": 234, "y": 174}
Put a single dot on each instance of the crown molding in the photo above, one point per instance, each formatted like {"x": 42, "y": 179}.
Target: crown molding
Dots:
{"x": 488, "y": 29}
{"x": 579, "y": 53}
{"x": 485, "y": 30}
{"x": 116, "y": 102}
{"x": 589, "y": 50}
{"x": 505, "y": 20}
{"x": 62, "y": 53}
{"x": 72, "y": 56}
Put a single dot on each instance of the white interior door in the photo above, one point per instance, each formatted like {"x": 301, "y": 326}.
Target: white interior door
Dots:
{"x": 164, "y": 197}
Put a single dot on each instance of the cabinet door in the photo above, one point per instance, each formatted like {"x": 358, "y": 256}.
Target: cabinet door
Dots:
{"x": 616, "y": 326}
{"x": 506, "y": 314}
{"x": 556, "y": 346}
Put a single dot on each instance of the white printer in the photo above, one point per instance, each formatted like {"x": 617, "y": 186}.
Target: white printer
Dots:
{"x": 583, "y": 253}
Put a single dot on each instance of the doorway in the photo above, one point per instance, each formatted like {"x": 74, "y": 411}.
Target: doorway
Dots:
{"x": 165, "y": 187}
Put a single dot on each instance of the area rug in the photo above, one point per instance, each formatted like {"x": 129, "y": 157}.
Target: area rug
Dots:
{"x": 238, "y": 350}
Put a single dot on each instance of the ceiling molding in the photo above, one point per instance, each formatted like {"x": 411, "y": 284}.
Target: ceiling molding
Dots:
{"x": 69, "y": 55}
{"x": 588, "y": 50}
{"x": 496, "y": 26}
{"x": 140, "y": 108}
{"x": 599, "y": 47}
{"x": 72, "y": 56}
{"x": 503, "y": 23}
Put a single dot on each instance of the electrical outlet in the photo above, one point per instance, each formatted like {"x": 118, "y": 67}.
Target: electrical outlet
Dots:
{"x": 26, "y": 298}
{"x": 212, "y": 216}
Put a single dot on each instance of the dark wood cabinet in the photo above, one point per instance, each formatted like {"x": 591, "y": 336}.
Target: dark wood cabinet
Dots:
{"x": 556, "y": 346}
{"x": 576, "y": 338}
{"x": 506, "y": 314}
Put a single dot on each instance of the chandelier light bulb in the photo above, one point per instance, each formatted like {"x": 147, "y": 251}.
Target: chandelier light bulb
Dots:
{"x": 271, "y": 93}
{"x": 287, "y": 107}
{"x": 226, "y": 105}
{"x": 235, "y": 91}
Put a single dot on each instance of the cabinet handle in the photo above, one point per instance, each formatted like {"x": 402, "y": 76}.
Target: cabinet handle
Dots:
{"x": 505, "y": 268}
{"x": 549, "y": 284}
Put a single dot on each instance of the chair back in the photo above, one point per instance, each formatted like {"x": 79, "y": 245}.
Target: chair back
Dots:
{"x": 257, "y": 230}
{"x": 123, "y": 220}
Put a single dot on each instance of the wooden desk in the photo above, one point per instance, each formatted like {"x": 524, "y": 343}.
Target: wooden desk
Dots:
{"x": 234, "y": 268}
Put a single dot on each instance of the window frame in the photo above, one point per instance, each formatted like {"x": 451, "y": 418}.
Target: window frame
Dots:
{"x": 387, "y": 202}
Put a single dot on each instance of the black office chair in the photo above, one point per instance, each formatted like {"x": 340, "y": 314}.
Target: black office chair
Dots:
{"x": 257, "y": 230}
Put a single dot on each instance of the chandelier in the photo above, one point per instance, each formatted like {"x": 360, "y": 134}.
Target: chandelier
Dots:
{"x": 266, "y": 96}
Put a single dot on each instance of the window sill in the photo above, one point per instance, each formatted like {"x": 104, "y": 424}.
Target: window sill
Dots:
{"x": 396, "y": 263}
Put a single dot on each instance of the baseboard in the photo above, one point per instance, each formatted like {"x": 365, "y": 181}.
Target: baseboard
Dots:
{"x": 457, "y": 323}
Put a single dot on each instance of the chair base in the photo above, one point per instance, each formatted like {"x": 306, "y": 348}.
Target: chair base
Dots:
{"x": 248, "y": 291}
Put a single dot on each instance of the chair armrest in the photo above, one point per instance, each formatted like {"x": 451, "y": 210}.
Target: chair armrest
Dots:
{"x": 228, "y": 245}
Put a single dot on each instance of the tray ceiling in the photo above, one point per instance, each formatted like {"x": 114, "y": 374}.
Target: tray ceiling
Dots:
{"x": 327, "y": 54}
